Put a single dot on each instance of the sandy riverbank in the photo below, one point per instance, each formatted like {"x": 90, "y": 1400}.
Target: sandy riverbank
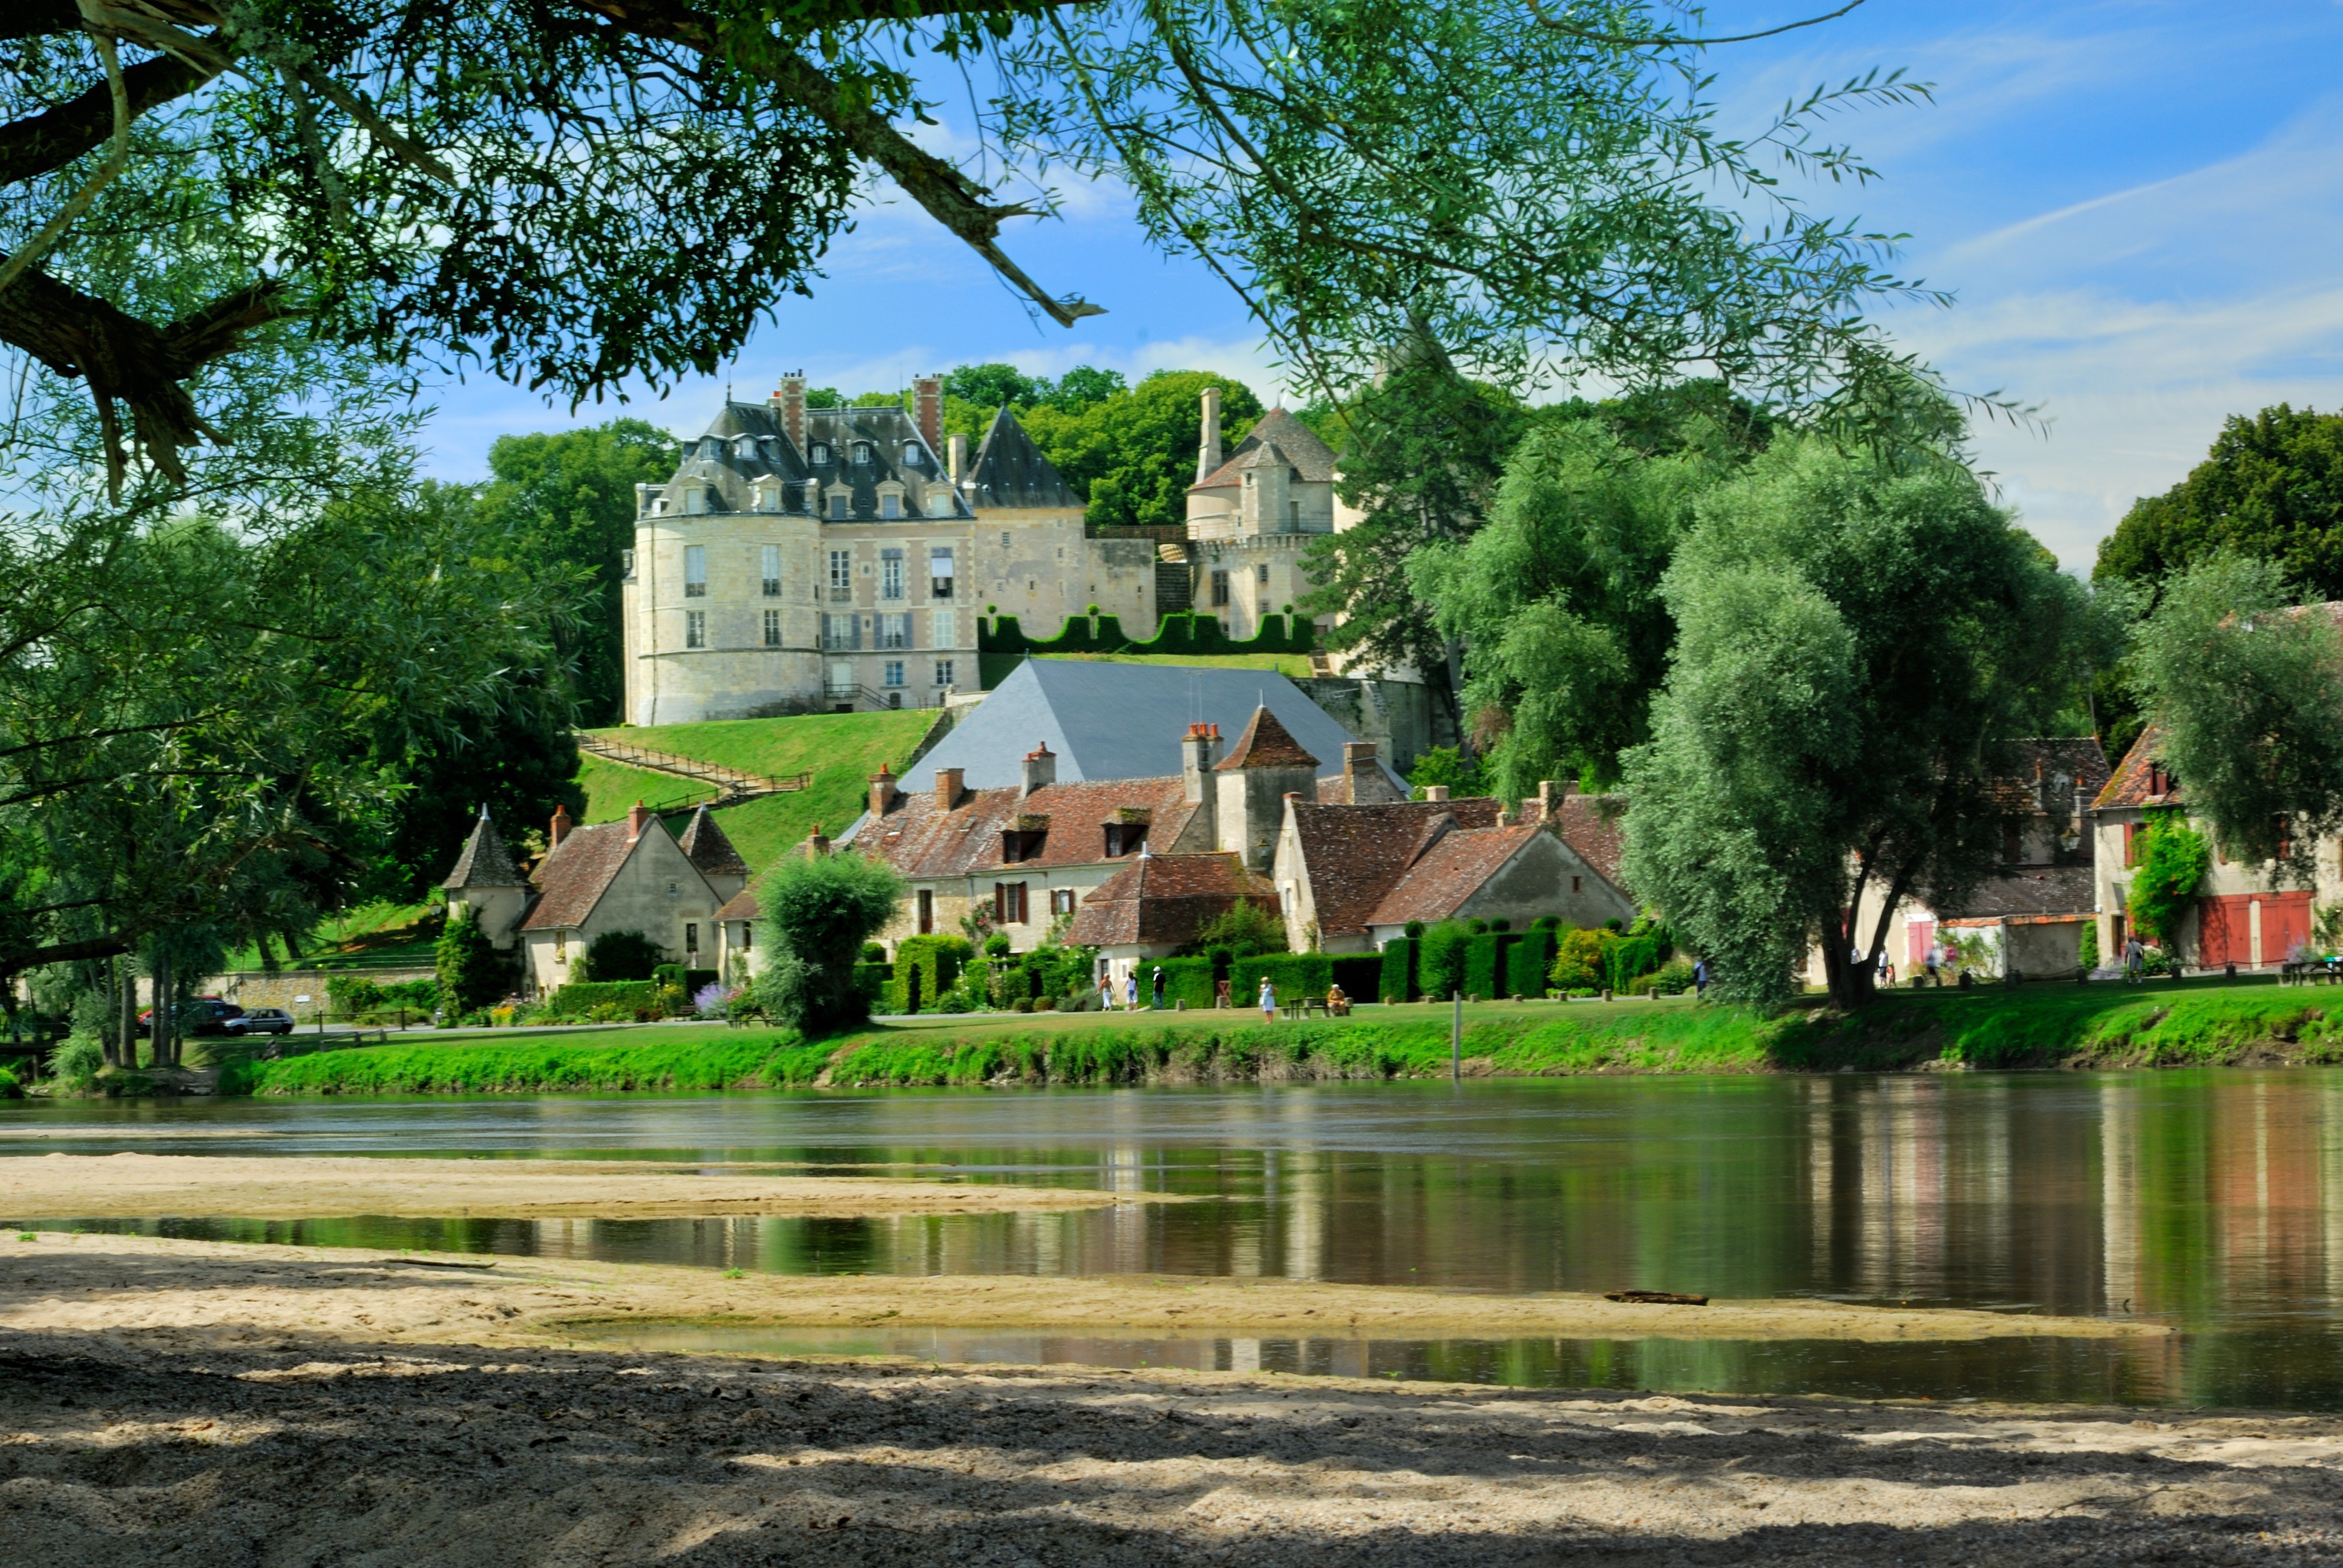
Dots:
{"x": 139, "y": 1186}
{"x": 203, "y": 1402}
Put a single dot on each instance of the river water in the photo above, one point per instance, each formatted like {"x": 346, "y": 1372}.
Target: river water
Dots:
{"x": 2212, "y": 1201}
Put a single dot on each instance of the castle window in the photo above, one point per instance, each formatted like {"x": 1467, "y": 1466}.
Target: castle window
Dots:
{"x": 772, "y": 573}
{"x": 694, "y": 571}
{"x": 943, "y": 629}
{"x": 1009, "y": 903}
{"x": 1293, "y": 515}
{"x": 891, "y": 573}
{"x": 772, "y": 629}
{"x": 626, "y": 565}
{"x": 841, "y": 632}
{"x": 839, "y": 501}
{"x": 841, "y": 576}
{"x": 944, "y": 672}
{"x": 911, "y": 453}
{"x": 940, "y": 502}
{"x": 940, "y": 572}
{"x": 819, "y": 452}
{"x": 862, "y": 453}
{"x": 691, "y": 936}
{"x": 1124, "y": 838}
{"x": 695, "y": 628}
{"x": 1261, "y": 574}
{"x": 891, "y": 505}
{"x": 1220, "y": 587}
{"x": 894, "y": 672}
{"x": 895, "y": 631}
{"x": 840, "y": 683}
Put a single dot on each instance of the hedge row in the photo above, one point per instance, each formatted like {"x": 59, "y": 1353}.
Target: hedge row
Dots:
{"x": 924, "y": 968}
{"x": 579, "y": 998}
{"x": 1181, "y": 632}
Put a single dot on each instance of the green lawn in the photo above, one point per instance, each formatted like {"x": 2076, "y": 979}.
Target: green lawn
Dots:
{"x": 380, "y": 935}
{"x": 1295, "y": 665}
{"x": 842, "y": 751}
{"x": 2187, "y": 1024}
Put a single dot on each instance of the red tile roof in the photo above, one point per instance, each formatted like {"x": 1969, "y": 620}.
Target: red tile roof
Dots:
{"x": 1265, "y": 743}
{"x": 2039, "y": 765}
{"x": 923, "y": 843}
{"x": 1594, "y": 826}
{"x": 1449, "y": 872}
{"x": 2129, "y": 784}
{"x": 574, "y": 875}
{"x": 1167, "y": 900}
{"x": 743, "y": 906}
{"x": 1354, "y": 855}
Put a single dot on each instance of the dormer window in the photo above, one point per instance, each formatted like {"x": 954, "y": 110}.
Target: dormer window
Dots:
{"x": 2159, "y": 782}
{"x": 911, "y": 453}
{"x": 862, "y": 453}
{"x": 817, "y": 453}
{"x": 838, "y": 502}
{"x": 1124, "y": 838}
{"x": 1021, "y": 844}
{"x": 891, "y": 505}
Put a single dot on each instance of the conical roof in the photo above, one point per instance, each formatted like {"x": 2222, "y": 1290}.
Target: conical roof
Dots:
{"x": 485, "y": 862}
{"x": 706, "y": 847}
{"x": 1266, "y": 743}
{"x": 1010, "y": 470}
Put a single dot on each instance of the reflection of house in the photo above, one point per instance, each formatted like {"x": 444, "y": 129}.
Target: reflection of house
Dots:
{"x": 2242, "y": 915}
{"x": 1352, "y": 877}
{"x": 2030, "y": 914}
{"x": 1163, "y": 903}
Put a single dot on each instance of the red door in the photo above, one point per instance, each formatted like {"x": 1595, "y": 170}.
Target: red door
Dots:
{"x": 2285, "y": 925}
{"x": 2225, "y": 930}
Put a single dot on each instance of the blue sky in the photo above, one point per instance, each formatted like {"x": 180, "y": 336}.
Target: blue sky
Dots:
{"x": 2137, "y": 202}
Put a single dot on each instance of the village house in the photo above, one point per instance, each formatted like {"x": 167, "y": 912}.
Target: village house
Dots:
{"x": 2243, "y": 914}
{"x": 1163, "y": 903}
{"x": 2028, "y": 917}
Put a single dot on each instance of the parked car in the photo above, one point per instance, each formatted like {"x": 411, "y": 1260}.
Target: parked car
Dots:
{"x": 261, "y": 1021}
{"x": 197, "y": 1015}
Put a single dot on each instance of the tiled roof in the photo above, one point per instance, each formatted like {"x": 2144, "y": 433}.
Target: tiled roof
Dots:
{"x": 1354, "y": 855}
{"x": 1265, "y": 743}
{"x": 705, "y": 846}
{"x": 2036, "y": 890}
{"x": 743, "y": 906}
{"x": 1594, "y": 826}
{"x": 1290, "y": 441}
{"x": 1167, "y": 898}
{"x": 485, "y": 862}
{"x": 2129, "y": 784}
{"x": 572, "y": 877}
{"x": 922, "y": 842}
{"x": 1010, "y": 470}
{"x": 2040, "y": 765}
{"x": 1451, "y": 871}
{"x": 1374, "y": 787}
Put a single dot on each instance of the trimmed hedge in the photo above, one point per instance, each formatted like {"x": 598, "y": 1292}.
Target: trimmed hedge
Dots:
{"x": 924, "y": 968}
{"x": 1397, "y": 981}
{"x": 691, "y": 982}
{"x": 1186, "y": 980}
{"x": 1295, "y": 976}
{"x": 1181, "y": 632}
{"x": 579, "y": 998}
{"x": 1629, "y": 958}
{"x": 1527, "y": 965}
{"x": 870, "y": 980}
{"x": 1485, "y": 964}
{"x": 1441, "y": 959}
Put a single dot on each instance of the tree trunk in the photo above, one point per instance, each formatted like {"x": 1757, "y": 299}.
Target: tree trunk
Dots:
{"x": 1847, "y": 978}
{"x": 166, "y": 1030}
{"x": 126, "y": 1015}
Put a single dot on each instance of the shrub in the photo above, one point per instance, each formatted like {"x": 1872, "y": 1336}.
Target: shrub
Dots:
{"x": 629, "y": 999}
{"x": 1243, "y": 930}
{"x": 1185, "y": 980}
{"x": 471, "y": 973}
{"x": 1295, "y": 976}
{"x": 1359, "y": 974}
{"x": 9, "y": 1088}
{"x": 1578, "y": 961}
{"x": 1628, "y": 958}
{"x": 2086, "y": 950}
{"x": 818, "y": 915}
{"x": 1440, "y": 964}
{"x": 1484, "y": 962}
{"x": 1668, "y": 979}
{"x": 925, "y": 967}
{"x": 1528, "y": 961}
{"x": 352, "y": 994}
{"x": 618, "y": 956}
{"x": 76, "y": 1060}
{"x": 1397, "y": 982}
{"x": 874, "y": 952}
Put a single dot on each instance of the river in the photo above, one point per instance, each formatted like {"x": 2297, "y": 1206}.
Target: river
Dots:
{"x": 2210, "y": 1199}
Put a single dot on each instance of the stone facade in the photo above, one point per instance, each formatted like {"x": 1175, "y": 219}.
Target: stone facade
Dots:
{"x": 1253, "y": 513}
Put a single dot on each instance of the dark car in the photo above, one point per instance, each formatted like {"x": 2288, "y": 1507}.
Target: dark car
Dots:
{"x": 198, "y": 1015}
{"x": 261, "y": 1021}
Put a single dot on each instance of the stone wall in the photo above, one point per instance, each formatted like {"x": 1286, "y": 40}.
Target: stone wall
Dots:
{"x": 285, "y": 988}
{"x": 1401, "y": 716}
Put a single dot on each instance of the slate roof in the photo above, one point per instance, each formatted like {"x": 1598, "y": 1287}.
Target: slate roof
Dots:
{"x": 2129, "y": 786}
{"x": 1167, "y": 898}
{"x": 923, "y": 843}
{"x": 745, "y": 442}
{"x": 1265, "y": 743}
{"x": 485, "y": 861}
{"x": 574, "y": 875}
{"x": 1354, "y": 855}
{"x": 705, "y": 846}
{"x": 1010, "y": 471}
{"x": 1450, "y": 871}
{"x": 2040, "y": 764}
{"x": 1289, "y": 442}
{"x": 1118, "y": 722}
{"x": 1595, "y": 827}
{"x": 2036, "y": 891}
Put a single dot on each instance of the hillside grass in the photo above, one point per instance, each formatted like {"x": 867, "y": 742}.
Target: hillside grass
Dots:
{"x": 842, "y": 751}
{"x": 379, "y": 935}
{"x": 1293, "y": 665}
{"x": 2190, "y": 1024}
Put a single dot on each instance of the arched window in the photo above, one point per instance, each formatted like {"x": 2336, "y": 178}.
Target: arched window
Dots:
{"x": 819, "y": 452}
{"x": 863, "y": 452}
{"x": 911, "y": 453}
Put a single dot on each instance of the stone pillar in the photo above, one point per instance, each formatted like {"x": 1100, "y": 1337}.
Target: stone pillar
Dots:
{"x": 1208, "y": 447}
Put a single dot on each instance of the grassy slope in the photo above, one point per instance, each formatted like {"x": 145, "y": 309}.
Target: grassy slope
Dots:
{"x": 2100, "y": 1026}
{"x": 1296, "y": 665}
{"x": 842, "y": 751}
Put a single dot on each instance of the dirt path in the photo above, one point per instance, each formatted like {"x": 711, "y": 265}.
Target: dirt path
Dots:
{"x": 191, "y": 1403}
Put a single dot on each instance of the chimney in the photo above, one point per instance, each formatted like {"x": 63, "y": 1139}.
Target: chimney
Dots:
{"x": 958, "y": 461}
{"x": 882, "y": 791}
{"x": 816, "y": 845}
{"x": 1551, "y": 796}
{"x": 1435, "y": 791}
{"x": 1208, "y": 450}
{"x": 638, "y": 816}
{"x": 1358, "y": 758}
{"x": 1040, "y": 769}
{"x": 1504, "y": 818}
{"x": 948, "y": 787}
{"x": 927, "y": 409}
{"x": 790, "y": 401}
{"x": 1199, "y": 749}
{"x": 560, "y": 829}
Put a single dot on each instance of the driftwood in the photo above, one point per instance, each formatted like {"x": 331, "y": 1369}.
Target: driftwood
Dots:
{"x": 1654, "y": 1298}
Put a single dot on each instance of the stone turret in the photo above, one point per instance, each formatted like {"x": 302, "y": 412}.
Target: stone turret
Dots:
{"x": 1250, "y": 786}
{"x": 704, "y": 844}
{"x": 486, "y": 884}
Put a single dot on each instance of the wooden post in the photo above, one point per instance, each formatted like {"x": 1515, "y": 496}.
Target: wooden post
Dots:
{"x": 1456, "y": 1038}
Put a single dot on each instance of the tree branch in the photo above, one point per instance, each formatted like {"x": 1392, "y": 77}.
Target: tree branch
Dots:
{"x": 1670, "y": 41}
{"x": 117, "y": 158}
{"x": 50, "y": 140}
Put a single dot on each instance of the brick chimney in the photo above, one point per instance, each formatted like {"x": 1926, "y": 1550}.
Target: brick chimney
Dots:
{"x": 1199, "y": 749}
{"x": 1040, "y": 769}
{"x": 927, "y": 409}
{"x": 1358, "y": 758}
{"x": 1207, "y": 447}
{"x": 790, "y": 403}
{"x": 638, "y": 816}
{"x": 816, "y": 844}
{"x": 882, "y": 791}
{"x": 560, "y": 829}
{"x": 948, "y": 781}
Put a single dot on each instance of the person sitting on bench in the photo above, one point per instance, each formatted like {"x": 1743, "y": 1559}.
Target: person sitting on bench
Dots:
{"x": 1337, "y": 1004}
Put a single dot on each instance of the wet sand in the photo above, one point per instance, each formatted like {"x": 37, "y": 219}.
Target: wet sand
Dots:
{"x": 143, "y": 1186}
{"x": 207, "y": 1402}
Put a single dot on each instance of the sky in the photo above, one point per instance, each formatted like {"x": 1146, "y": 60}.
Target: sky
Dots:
{"x": 2137, "y": 203}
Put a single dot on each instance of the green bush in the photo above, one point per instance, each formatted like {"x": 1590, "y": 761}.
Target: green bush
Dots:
{"x": 818, "y": 915}
{"x": 581, "y": 999}
{"x": 1188, "y": 980}
{"x": 1580, "y": 959}
{"x": 1295, "y": 976}
{"x": 1440, "y": 963}
{"x": 924, "y": 968}
{"x": 9, "y": 1088}
{"x": 1668, "y": 979}
{"x": 2087, "y": 952}
{"x": 76, "y": 1059}
{"x": 1528, "y": 961}
{"x": 1397, "y": 982}
{"x": 1629, "y": 957}
{"x": 2171, "y": 867}
{"x": 616, "y": 956}
{"x": 471, "y": 973}
{"x": 871, "y": 982}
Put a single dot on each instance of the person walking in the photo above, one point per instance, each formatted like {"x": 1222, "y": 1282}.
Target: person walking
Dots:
{"x": 1700, "y": 979}
{"x": 1106, "y": 992}
{"x": 1130, "y": 990}
{"x": 2135, "y": 961}
{"x": 1159, "y": 987}
{"x": 1268, "y": 1001}
{"x": 1935, "y": 963}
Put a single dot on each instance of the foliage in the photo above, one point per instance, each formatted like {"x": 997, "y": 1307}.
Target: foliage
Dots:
{"x": 1180, "y": 634}
{"x": 2172, "y": 866}
{"x": 1580, "y": 959}
{"x": 2270, "y": 489}
{"x": 1856, "y": 633}
{"x": 76, "y": 1059}
{"x": 1132, "y": 455}
{"x": 1446, "y": 765}
{"x": 1440, "y": 958}
{"x": 2244, "y": 692}
{"x": 2086, "y": 954}
{"x": 1673, "y": 978}
{"x": 584, "y": 999}
{"x": 472, "y": 973}
{"x": 1244, "y": 929}
{"x": 936, "y": 962}
{"x": 1529, "y": 960}
{"x": 618, "y": 956}
{"x": 1295, "y": 976}
{"x": 1397, "y": 980}
{"x": 817, "y": 913}
{"x": 569, "y": 498}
